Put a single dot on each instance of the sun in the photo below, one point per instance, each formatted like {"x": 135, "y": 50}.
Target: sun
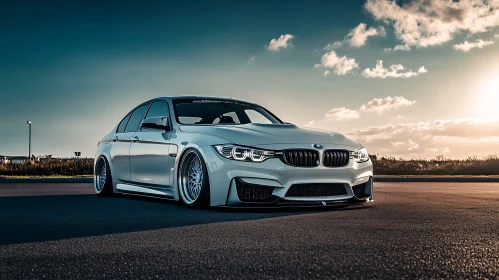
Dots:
{"x": 489, "y": 97}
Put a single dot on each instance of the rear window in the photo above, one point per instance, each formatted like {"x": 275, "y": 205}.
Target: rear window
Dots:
{"x": 137, "y": 117}
{"x": 158, "y": 109}
{"x": 122, "y": 125}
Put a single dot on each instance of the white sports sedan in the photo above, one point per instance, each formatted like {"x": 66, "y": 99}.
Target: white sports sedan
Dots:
{"x": 223, "y": 152}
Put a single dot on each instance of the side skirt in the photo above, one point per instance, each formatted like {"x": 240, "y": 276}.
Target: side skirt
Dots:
{"x": 143, "y": 191}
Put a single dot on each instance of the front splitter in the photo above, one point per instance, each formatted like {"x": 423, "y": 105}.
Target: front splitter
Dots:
{"x": 281, "y": 203}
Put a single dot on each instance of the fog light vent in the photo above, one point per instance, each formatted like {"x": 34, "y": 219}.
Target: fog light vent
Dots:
{"x": 253, "y": 193}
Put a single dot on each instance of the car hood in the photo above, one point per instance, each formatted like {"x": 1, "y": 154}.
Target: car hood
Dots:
{"x": 262, "y": 134}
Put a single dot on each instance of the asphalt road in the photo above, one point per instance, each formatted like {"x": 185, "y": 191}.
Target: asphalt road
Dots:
{"x": 414, "y": 230}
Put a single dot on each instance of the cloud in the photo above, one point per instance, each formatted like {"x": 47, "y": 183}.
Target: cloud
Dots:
{"x": 380, "y": 105}
{"x": 250, "y": 60}
{"x": 433, "y": 150}
{"x": 402, "y": 48}
{"x": 342, "y": 114}
{"x": 466, "y": 46}
{"x": 283, "y": 42}
{"x": 340, "y": 65}
{"x": 465, "y": 137}
{"x": 496, "y": 35}
{"x": 358, "y": 36}
{"x": 470, "y": 129}
{"x": 424, "y": 23}
{"x": 397, "y": 144}
{"x": 310, "y": 123}
{"x": 335, "y": 45}
{"x": 394, "y": 71}
{"x": 412, "y": 145}
{"x": 398, "y": 48}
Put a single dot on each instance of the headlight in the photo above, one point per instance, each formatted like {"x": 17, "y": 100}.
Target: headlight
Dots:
{"x": 361, "y": 155}
{"x": 243, "y": 153}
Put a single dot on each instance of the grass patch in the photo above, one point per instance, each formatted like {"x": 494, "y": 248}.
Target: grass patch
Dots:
{"x": 440, "y": 166}
{"x": 472, "y": 166}
{"x": 49, "y": 168}
{"x": 44, "y": 177}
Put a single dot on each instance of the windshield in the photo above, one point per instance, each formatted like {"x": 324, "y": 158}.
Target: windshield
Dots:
{"x": 218, "y": 111}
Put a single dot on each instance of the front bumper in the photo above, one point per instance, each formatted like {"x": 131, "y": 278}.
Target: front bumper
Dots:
{"x": 240, "y": 194}
{"x": 224, "y": 175}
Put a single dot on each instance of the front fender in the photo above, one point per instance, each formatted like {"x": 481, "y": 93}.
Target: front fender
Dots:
{"x": 203, "y": 143}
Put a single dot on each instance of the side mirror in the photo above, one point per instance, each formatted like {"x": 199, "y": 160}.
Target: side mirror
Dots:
{"x": 160, "y": 123}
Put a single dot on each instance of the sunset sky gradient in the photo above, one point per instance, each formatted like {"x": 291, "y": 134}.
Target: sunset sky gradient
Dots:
{"x": 406, "y": 79}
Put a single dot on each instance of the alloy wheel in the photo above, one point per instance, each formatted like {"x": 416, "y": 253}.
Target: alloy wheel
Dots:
{"x": 192, "y": 177}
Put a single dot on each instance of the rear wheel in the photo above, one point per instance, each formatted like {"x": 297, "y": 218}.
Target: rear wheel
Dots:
{"x": 103, "y": 185}
{"x": 194, "y": 186}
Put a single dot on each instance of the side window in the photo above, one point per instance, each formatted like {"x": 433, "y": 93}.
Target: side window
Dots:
{"x": 136, "y": 119}
{"x": 158, "y": 109}
{"x": 122, "y": 125}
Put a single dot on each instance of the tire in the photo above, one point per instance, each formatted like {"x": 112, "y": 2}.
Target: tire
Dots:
{"x": 103, "y": 182}
{"x": 193, "y": 181}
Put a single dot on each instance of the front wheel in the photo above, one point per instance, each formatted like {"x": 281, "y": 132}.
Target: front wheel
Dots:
{"x": 194, "y": 186}
{"x": 103, "y": 183}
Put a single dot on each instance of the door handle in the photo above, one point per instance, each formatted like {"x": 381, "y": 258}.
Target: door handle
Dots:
{"x": 135, "y": 139}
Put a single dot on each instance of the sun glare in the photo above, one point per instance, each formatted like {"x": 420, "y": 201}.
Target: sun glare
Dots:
{"x": 489, "y": 97}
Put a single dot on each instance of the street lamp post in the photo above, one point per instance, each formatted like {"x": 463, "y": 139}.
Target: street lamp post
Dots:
{"x": 29, "y": 153}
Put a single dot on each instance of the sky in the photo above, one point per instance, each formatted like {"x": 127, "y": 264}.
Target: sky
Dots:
{"x": 410, "y": 79}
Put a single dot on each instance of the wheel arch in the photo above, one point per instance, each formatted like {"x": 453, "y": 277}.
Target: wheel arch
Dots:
{"x": 179, "y": 160}
{"x": 98, "y": 164}
{"x": 180, "y": 156}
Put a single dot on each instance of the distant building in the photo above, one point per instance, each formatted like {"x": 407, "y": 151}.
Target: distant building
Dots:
{"x": 22, "y": 159}
{"x": 18, "y": 160}
{"x": 4, "y": 160}
{"x": 46, "y": 158}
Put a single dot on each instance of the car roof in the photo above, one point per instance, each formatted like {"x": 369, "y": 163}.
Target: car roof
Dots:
{"x": 169, "y": 98}
{"x": 195, "y": 97}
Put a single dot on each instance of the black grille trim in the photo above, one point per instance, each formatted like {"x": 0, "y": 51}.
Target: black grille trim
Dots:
{"x": 359, "y": 191}
{"x": 253, "y": 193}
{"x": 301, "y": 157}
{"x": 316, "y": 190}
{"x": 335, "y": 158}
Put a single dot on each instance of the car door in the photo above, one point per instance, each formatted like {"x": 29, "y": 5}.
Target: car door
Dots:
{"x": 120, "y": 149}
{"x": 149, "y": 158}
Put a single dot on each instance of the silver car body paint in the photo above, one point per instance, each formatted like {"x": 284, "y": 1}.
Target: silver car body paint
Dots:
{"x": 147, "y": 162}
